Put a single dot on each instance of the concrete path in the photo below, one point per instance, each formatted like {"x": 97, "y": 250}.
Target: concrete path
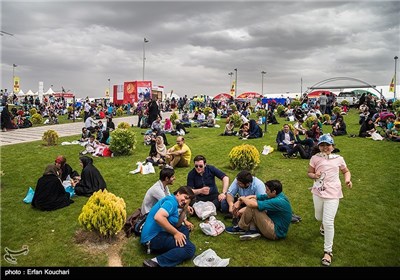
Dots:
{"x": 25, "y": 135}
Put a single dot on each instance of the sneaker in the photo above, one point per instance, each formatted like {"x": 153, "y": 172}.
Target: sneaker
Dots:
{"x": 150, "y": 263}
{"x": 235, "y": 230}
{"x": 285, "y": 155}
{"x": 250, "y": 235}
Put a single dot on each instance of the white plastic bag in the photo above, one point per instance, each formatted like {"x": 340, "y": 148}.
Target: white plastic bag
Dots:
{"x": 210, "y": 259}
{"x": 376, "y": 136}
{"x": 213, "y": 227}
{"x": 204, "y": 209}
{"x": 267, "y": 150}
{"x": 147, "y": 168}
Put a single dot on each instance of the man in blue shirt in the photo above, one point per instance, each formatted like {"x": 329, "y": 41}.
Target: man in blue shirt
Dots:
{"x": 269, "y": 214}
{"x": 163, "y": 231}
{"x": 245, "y": 184}
{"x": 202, "y": 180}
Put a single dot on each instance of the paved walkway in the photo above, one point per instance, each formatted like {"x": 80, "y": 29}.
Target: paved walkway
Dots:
{"x": 25, "y": 135}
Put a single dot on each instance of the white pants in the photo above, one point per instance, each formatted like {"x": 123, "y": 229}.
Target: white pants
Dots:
{"x": 325, "y": 211}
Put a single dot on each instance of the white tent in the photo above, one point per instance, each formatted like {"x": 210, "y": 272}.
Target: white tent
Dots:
{"x": 29, "y": 93}
{"x": 20, "y": 93}
{"x": 49, "y": 92}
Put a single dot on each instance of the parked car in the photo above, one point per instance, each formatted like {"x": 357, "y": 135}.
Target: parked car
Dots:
{"x": 352, "y": 97}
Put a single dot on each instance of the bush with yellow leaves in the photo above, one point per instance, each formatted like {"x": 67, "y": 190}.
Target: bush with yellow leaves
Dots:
{"x": 104, "y": 213}
{"x": 244, "y": 157}
{"x": 124, "y": 125}
{"x": 50, "y": 137}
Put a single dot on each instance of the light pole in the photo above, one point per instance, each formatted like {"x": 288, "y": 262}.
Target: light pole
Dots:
{"x": 262, "y": 82}
{"x": 235, "y": 82}
{"x": 395, "y": 75}
{"x": 109, "y": 87}
{"x": 144, "y": 55}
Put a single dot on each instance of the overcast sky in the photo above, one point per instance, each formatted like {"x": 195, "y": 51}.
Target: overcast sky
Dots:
{"x": 194, "y": 45}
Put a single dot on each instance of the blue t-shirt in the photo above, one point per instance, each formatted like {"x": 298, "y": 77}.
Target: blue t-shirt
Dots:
{"x": 151, "y": 228}
{"x": 257, "y": 187}
{"x": 197, "y": 181}
{"x": 279, "y": 210}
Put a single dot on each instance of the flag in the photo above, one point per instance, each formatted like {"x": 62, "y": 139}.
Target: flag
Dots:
{"x": 392, "y": 85}
{"x": 233, "y": 88}
{"x": 62, "y": 89}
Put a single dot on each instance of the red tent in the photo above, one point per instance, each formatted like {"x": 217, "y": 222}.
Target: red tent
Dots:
{"x": 249, "y": 95}
{"x": 222, "y": 96}
{"x": 317, "y": 93}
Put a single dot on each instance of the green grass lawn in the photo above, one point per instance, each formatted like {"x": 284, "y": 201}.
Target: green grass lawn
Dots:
{"x": 367, "y": 226}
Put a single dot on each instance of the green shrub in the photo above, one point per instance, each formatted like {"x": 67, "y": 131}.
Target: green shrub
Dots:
{"x": 396, "y": 105}
{"x": 261, "y": 113}
{"x": 244, "y": 157}
{"x": 233, "y": 108}
{"x": 70, "y": 109}
{"x": 309, "y": 121}
{"x": 345, "y": 103}
{"x": 122, "y": 141}
{"x": 32, "y": 111}
{"x": 326, "y": 118}
{"x": 103, "y": 213}
{"x": 120, "y": 112}
{"x": 174, "y": 116}
{"x": 236, "y": 120}
{"x": 295, "y": 103}
{"x": 123, "y": 125}
{"x": 50, "y": 137}
{"x": 280, "y": 109}
{"x": 36, "y": 118}
{"x": 207, "y": 110}
{"x": 336, "y": 110}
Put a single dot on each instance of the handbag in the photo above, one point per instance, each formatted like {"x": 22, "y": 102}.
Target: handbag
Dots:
{"x": 29, "y": 195}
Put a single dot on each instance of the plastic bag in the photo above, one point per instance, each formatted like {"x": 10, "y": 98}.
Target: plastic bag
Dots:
{"x": 70, "y": 190}
{"x": 210, "y": 259}
{"x": 213, "y": 227}
{"x": 147, "y": 168}
{"x": 267, "y": 150}
{"x": 376, "y": 136}
{"x": 204, "y": 209}
{"x": 29, "y": 195}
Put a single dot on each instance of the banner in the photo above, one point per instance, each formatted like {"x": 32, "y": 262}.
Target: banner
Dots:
{"x": 107, "y": 93}
{"x": 16, "y": 84}
{"x": 233, "y": 89}
{"x": 392, "y": 85}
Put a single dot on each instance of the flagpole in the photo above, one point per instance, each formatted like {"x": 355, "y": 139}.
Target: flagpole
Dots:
{"x": 395, "y": 76}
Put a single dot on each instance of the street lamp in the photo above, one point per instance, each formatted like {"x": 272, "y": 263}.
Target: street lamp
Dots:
{"x": 395, "y": 75}
{"x": 109, "y": 87}
{"x": 262, "y": 82}
{"x": 235, "y": 82}
{"x": 144, "y": 55}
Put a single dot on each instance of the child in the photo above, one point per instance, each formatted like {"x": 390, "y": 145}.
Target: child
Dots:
{"x": 327, "y": 189}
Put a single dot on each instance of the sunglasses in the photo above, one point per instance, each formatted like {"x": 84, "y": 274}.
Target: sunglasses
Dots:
{"x": 199, "y": 166}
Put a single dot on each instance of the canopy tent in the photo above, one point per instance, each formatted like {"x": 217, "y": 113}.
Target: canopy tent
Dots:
{"x": 317, "y": 93}
{"x": 222, "y": 97}
{"x": 29, "y": 93}
{"x": 249, "y": 95}
{"x": 361, "y": 91}
{"x": 49, "y": 92}
{"x": 20, "y": 93}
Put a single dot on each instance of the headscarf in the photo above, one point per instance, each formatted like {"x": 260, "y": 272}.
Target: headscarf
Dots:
{"x": 52, "y": 169}
{"x": 160, "y": 147}
{"x": 86, "y": 160}
{"x": 61, "y": 160}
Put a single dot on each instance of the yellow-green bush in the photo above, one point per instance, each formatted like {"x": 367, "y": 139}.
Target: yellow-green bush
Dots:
{"x": 120, "y": 112}
{"x": 173, "y": 117}
{"x": 50, "y": 137}
{"x": 32, "y": 111}
{"x": 345, "y": 102}
{"x": 244, "y": 157}
{"x": 233, "y": 108}
{"x": 104, "y": 213}
{"x": 396, "y": 105}
{"x": 236, "y": 120}
{"x": 295, "y": 103}
{"x": 36, "y": 118}
{"x": 207, "y": 110}
{"x": 122, "y": 141}
{"x": 123, "y": 125}
{"x": 336, "y": 110}
{"x": 309, "y": 121}
{"x": 327, "y": 117}
{"x": 280, "y": 109}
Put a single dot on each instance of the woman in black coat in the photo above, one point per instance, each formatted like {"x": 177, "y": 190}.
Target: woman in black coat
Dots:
{"x": 91, "y": 180}
{"x": 50, "y": 193}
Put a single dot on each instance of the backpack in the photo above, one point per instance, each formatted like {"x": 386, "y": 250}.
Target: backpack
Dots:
{"x": 134, "y": 223}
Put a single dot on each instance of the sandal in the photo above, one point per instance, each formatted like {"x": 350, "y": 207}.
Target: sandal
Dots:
{"x": 321, "y": 230}
{"x": 325, "y": 261}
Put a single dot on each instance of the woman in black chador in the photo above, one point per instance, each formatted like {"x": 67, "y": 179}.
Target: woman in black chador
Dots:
{"x": 91, "y": 180}
{"x": 50, "y": 193}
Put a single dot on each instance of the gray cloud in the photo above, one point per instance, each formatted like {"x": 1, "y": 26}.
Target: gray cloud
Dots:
{"x": 194, "y": 45}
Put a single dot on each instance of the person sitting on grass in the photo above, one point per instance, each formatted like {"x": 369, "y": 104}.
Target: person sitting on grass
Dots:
{"x": 164, "y": 233}
{"x": 269, "y": 214}
{"x": 180, "y": 154}
{"x": 49, "y": 192}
